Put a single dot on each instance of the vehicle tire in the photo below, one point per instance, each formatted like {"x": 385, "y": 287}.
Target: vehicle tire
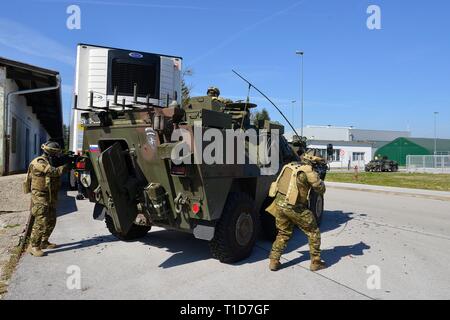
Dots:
{"x": 316, "y": 206}
{"x": 268, "y": 227}
{"x": 236, "y": 231}
{"x": 134, "y": 233}
{"x": 72, "y": 180}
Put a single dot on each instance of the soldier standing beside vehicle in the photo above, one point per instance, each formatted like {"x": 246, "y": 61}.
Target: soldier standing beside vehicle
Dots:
{"x": 290, "y": 208}
{"x": 43, "y": 181}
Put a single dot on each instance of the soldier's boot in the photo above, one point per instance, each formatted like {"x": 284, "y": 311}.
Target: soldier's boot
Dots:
{"x": 36, "y": 251}
{"x": 274, "y": 265}
{"x": 48, "y": 245}
{"x": 317, "y": 264}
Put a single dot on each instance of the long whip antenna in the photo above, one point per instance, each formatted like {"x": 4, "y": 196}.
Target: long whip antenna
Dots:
{"x": 268, "y": 99}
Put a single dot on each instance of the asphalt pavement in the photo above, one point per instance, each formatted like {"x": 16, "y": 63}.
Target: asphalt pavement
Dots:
{"x": 378, "y": 245}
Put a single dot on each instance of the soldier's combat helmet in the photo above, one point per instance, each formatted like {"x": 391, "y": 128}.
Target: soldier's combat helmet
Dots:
{"x": 51, "y": 148}
{"x": 312, "y": 156}
{"x": 213, "y": 92}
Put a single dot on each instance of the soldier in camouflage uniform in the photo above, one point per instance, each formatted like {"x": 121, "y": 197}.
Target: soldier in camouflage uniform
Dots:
{"x": 215, "y": 93}
{"x": 290, "y": 208}
{"x": 43, "y": 181}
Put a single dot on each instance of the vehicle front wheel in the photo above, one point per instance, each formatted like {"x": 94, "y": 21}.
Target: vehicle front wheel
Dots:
{"x": 134, "y": 233}
{"x": 316, "y": 206}
{"x": 236, "y": 231}
{"x": 268, "y": 226}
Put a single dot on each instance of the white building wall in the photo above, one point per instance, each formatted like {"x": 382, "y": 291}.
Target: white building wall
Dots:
{"x": 2, "y": 97}
{"x": 326, "y": 133}
{"x": 347, "y": 155}
{"x": 26, "y": 122}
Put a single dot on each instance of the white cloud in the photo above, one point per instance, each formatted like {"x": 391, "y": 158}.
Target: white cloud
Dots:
{"x": 21, "y": 38}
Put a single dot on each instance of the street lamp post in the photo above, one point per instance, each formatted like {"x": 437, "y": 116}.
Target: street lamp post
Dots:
{"x": 435, "y": 132}
{"x": 301, "y": 53}
{"x": 292, "y": 111}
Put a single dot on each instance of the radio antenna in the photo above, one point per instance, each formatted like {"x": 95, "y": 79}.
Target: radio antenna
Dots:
{"x": 268, "y": 99}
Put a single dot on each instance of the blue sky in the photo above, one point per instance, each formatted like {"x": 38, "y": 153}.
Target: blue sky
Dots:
{"x": 393, "y": 78}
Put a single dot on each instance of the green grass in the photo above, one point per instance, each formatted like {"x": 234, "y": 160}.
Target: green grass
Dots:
{"x": 9, "y": 267}
{"x": 440, "y": 182}
{"x": 11, "y": 226}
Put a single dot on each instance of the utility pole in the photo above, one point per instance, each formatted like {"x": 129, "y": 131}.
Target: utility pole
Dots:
{"x": 301, "y": 53}
{"x": 292, "y": 109}
{"x": 435, "y": 132}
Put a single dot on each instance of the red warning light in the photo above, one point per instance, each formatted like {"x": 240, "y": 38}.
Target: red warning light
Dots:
{"x": 195, "y": 208}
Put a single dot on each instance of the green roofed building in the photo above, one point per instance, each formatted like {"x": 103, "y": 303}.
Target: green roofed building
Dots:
{"x": 401, "y": 147}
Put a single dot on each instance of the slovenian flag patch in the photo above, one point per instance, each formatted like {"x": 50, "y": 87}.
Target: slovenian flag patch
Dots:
{"x": 94, "y": 148}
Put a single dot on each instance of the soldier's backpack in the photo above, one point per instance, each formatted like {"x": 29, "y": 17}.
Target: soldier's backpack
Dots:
{"x": 27, "y": 182}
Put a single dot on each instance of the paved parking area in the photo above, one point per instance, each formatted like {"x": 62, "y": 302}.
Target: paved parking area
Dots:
{"x": 405, "y": 238}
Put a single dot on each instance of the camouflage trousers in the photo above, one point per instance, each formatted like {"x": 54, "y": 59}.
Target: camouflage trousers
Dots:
{"x": 286, "y": 219}
{"x": 44, "y": 223}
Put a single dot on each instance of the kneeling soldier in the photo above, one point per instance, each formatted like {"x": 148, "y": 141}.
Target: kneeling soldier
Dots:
{"x": 290, "y": 208}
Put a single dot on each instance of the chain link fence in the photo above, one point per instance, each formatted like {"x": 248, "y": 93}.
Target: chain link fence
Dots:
{"x": 431, "y": 164}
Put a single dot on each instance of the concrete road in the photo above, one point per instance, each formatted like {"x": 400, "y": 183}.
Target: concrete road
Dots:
{"x": 405, "y": 238}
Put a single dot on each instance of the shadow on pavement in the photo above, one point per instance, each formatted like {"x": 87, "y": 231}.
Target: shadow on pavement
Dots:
{"x": 331, "y": 220}
{"x": 186, "y": 249}
{"x": 83, "y": 244}
{"x": 66, "y": 204}
{"x": 333, "y": 255}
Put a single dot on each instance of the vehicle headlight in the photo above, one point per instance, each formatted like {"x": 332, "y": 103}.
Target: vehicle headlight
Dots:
{"x": 86, "y": 180}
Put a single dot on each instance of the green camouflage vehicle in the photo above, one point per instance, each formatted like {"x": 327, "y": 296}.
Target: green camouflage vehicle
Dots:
{"x": 129, "y": 172}
{"x": 130, "y": 176}
{"x": 383, "y": 165}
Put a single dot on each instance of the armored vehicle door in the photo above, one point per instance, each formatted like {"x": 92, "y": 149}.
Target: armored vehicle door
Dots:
{"x": 119, "y": 187}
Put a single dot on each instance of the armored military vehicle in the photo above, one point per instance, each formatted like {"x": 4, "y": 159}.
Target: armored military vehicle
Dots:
{"x": 131, "y": 174}
{"x": 382, "y": 165}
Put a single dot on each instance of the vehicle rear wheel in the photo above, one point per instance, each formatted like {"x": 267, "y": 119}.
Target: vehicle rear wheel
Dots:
{"x": 134, "y": 233}
{"x": 72, "y": 180}
{"x": 316, "y": 206}
{"x": 236, "y": 231}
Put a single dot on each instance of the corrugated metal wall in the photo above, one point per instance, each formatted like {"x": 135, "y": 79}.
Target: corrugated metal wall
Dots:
{"x": 398, "y": 150}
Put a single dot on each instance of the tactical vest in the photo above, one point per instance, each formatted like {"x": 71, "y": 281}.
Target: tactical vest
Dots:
{"x": 286, "y": 182}
{"x": 39, "y": 180}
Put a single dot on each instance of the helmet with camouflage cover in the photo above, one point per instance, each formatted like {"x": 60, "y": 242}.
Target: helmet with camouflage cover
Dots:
{"x": 312, "y": 156}
{"x": 51, "y": 148}
{"x": 213, "y": 92}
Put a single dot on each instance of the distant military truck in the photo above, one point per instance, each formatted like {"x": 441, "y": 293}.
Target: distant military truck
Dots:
{"x": 130, "y": 174}
{"x": 382, "y": 165}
